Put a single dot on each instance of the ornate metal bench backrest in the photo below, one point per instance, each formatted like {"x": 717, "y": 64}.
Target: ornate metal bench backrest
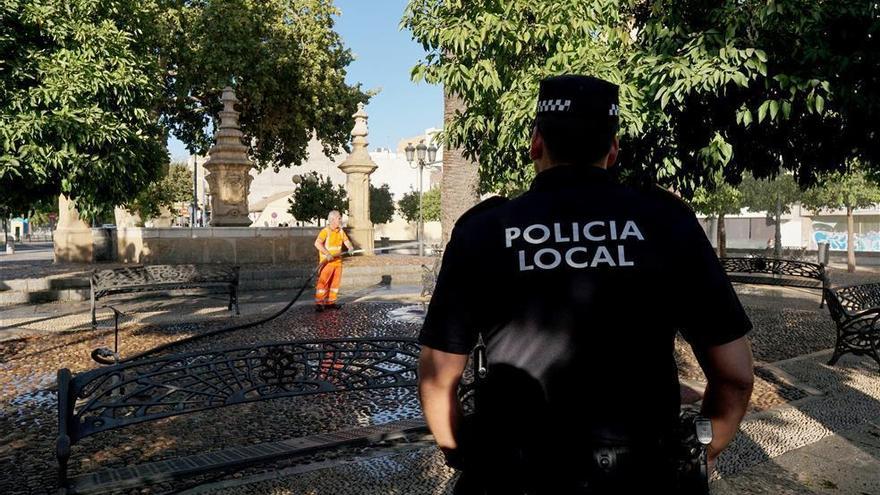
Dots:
{"x": 130, "y": 393}
{"x": 856, "y": 298}
{"x": 855, "y": 310}
{"x": 140, "y": 275}
{"x": 141, "y": 278}
{"x": 847, "y": 302}
{"x": 772, "y": 266}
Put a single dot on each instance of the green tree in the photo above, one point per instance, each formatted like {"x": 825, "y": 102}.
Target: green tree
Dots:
{"x": 773, "y": 196}
{"x": 755, "y": 85}
{"x": 409, "y": 206}
{"x": 90, "y": 90}
{"x": 174, "y": 187}
{"x": 718, "y": 201}
{"x": 844, "y": 190}
{"x": 285, "y": 61}
{"x": 41, "y": 214}
{"x": 78, "y": 101}
{"x": 381, "y": 204}
{"x": 315, "y": 197}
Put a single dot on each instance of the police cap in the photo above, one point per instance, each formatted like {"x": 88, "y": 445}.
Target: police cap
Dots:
{"x": 585, "y": 98}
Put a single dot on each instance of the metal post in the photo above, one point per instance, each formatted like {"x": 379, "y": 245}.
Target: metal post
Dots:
{"x": 421, "y": 224}
{"x": 195, "y": 202}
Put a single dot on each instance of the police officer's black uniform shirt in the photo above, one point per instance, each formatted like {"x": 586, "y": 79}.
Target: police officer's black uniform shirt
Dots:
{"x": 578, "y": 287}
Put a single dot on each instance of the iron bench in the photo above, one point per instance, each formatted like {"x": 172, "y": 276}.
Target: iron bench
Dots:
{"x": 135, "y": 392}
{"x": 855, "y": 310}
{"x": 151, "y": 278}
{"x": 771, "y": 271}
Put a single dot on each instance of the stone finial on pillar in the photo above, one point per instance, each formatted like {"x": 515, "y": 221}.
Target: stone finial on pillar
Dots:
{"x": 228, "y": 166}
{"x": 358, "y": 167}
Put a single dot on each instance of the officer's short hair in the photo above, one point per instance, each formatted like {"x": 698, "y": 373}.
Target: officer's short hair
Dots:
{"x": 574, "y": 140}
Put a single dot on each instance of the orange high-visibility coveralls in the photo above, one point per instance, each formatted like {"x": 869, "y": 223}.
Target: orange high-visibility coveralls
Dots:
{"x": 327, "y": 287}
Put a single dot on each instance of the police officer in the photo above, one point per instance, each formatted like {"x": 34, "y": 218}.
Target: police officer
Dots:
{"x": 578, "y": 287}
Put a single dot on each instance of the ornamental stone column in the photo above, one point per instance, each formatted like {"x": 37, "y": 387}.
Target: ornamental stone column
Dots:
{"x": 228, "y": 166}
{"x": 358, "y": 167}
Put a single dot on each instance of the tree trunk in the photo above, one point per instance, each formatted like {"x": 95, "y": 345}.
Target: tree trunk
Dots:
{"x": 850, "y": 241}
{"x": 459, "y": 184}
{"x": 722, "y": 237}
{"x": 777, "y": 248}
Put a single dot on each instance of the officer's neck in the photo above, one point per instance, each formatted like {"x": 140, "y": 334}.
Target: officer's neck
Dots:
{"x": 541, "y": 165}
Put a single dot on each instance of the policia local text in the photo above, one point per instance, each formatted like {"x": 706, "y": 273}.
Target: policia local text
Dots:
{"x": 575, "y": 256}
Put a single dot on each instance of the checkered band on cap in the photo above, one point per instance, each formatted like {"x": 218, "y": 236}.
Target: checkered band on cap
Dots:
{"x": 554, "y": 106}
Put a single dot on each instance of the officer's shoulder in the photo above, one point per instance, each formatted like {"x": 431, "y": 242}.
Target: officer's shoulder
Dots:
{"x": 484, "y": 206}
{"x": 666, "y": 198}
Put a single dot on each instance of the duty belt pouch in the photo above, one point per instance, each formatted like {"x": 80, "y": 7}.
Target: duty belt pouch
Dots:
{"x": 691, "y": 453}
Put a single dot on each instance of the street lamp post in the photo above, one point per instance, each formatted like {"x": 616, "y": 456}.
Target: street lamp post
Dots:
{"x": 419, "y": 152}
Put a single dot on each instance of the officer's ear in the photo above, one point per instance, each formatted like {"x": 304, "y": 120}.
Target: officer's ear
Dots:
{"x": 611, "y": 159}
{"x": 536, "y": 150}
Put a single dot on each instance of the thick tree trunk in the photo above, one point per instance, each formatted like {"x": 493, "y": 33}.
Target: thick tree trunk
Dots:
{"x": 459, "y": 184}
{"x": 850, "y": 241}
{"x": 777, "y": 248}
{"x": 722, "y": 237}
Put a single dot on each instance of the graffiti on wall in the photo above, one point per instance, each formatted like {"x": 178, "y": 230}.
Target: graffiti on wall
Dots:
{"x": 837, "y": 241}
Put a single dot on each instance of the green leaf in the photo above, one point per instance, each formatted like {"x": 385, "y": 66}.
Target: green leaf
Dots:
{"x": 820, "y": 104}
{"x": 774, "y": 109}
{"x": 762, "y": 111}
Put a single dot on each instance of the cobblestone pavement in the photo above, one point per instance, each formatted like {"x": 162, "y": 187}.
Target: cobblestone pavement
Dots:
{"x": 788, "y": 323}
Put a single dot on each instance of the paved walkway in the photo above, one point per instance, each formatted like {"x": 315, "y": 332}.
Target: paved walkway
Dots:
{"x": 827, "y": 441}
{"x": 39, "y": 319}
{"x": 825, "y": 444}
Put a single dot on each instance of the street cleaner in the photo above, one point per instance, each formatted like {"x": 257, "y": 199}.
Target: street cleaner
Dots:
{"x": 329, "y": 245}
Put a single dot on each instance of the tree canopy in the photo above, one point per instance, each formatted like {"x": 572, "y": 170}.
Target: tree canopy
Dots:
{"x": 78, "y": 101}
{"x": 174, "y": 186}
{"x": 90, "y": 90}
{"x": 381, "y": 204}
{"x": 315, "y": 197}
{"x": 718, "y": 199}
{"x": 734, "y": 85}
{"x": 409, "y": 206}
{"x": 847, "y": 191}
{"x": 842, "y": 191}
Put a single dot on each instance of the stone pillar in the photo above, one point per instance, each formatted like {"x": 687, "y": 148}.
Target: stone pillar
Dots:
{"x": 228, "y": 166}
{"x": 126, "y": 219}
{"x": 358, "y": 167}
{"x": 73, "y": 240}
{"x": 165, "y": 220}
